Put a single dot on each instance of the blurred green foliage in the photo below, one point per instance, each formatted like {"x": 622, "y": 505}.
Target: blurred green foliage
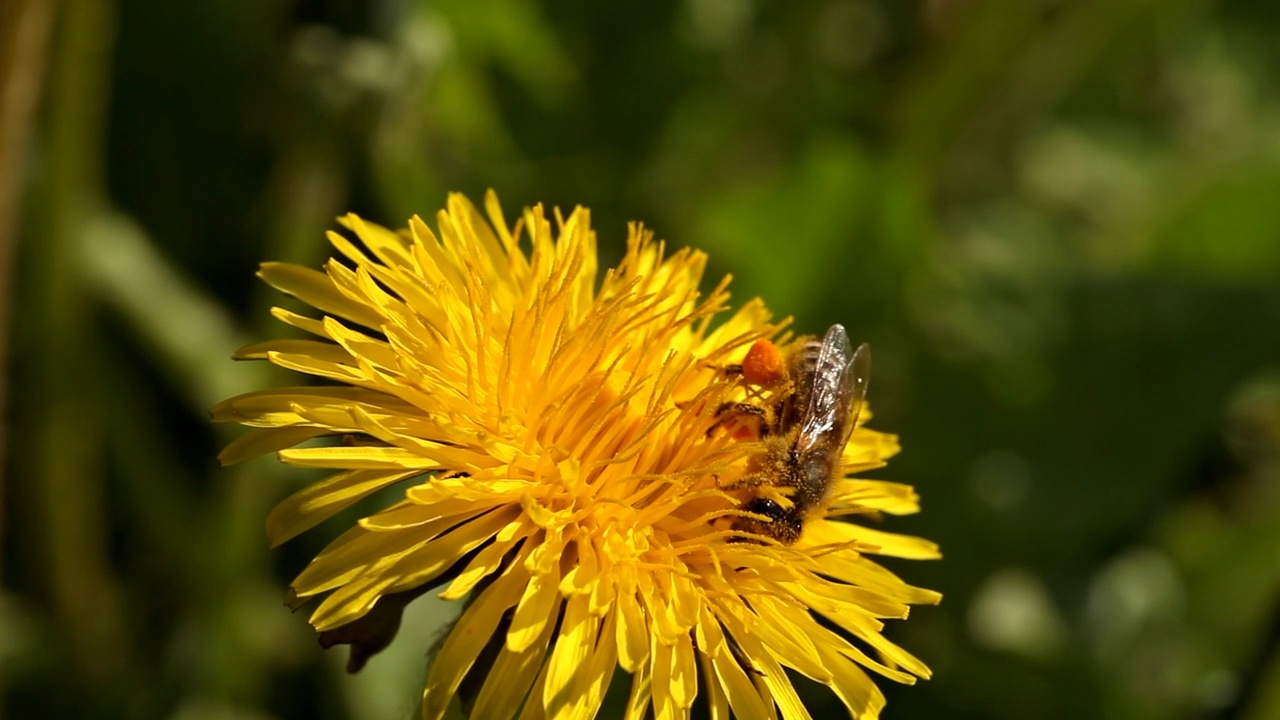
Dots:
{"x": 1056, "y": 223}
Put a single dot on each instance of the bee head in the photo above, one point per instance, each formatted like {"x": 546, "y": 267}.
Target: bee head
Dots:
{"x": 783, "y": 524}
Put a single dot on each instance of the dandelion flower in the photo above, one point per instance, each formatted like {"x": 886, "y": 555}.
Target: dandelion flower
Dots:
{"x": 554, "y": 445}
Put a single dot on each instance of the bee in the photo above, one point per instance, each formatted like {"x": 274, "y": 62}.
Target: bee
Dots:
{"x": 804, "y": 432}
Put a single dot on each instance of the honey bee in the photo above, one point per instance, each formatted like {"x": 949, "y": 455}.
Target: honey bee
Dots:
{"x": 804, "y": 432}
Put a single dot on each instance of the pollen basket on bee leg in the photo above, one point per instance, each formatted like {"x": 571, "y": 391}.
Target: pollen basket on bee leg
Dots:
{"x": 763, "y": 364}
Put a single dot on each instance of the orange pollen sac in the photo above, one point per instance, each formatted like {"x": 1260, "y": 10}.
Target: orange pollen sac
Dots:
{"x": 763, "y": 364}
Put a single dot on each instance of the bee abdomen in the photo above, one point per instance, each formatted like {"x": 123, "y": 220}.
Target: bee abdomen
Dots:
{"x": 814, "y": 474}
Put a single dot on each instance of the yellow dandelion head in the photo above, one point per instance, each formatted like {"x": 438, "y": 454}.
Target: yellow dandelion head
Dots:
{"x": 567, "y": 472}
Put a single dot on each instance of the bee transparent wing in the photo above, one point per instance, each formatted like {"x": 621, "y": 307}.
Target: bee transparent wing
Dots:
{"x": 839, "y": 388}
{"x": 860, "y": 374}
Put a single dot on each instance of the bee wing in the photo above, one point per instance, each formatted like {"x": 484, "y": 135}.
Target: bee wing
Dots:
{"x": 839, "y": 388}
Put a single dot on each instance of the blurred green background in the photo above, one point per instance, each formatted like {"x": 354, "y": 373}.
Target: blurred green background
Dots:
{"x": 1057, "y": 223}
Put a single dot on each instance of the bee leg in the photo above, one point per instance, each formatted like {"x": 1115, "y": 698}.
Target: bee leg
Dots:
{"x": 732, "y": 370}
{"x": 738, "y": 409}
{"x": 747, "y": 481}
{"x": 754, "y": 416}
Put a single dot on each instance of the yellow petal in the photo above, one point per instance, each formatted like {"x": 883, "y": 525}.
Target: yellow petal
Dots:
{"x": 866, "y": 630}
{"x": 853, "y": 687}
{"x": 468, "y": 637}
{"x": 890, "y": 544}
{"x": 511, "y": 678}
{"x": 389, "y": 247}
{"x": 266, "y": 440}
{"x": 888, "y": 497}
{"x": 322, "y": 350}
{"x": 354, "y": 553}
{"x": 535, "y": 710}
{"x": 633, "y": 633}
{"x": 599, "y": 673}
{"x": 783, "y": 692}
{"x": 538, "y": 606}
{"x": 411, "y": 516}
{"x": 664, "y": 700}
{"x": 279, "y": 407}
{"x": 582, "y": 577}
{"x": 317, "y": 290}
{"x": 641, "y": 694}
{"x": 741, "y": 693}
{"x": 318, "y": 501}
{"x": 469, "y": 532}
{"x": 486, "y": 562}
{"x": 302, "y": 322}
{"x": 717, "y": 702}
{"x": 684, "y": 674}
{"x": 834, "y": 598}
{"x": 783, "y": 631}
{"x": 336, "y": 371}
{"x": 855, "y": 569}
{"x": 358, "y": 458}
{"x": 566, "y": 679}
{"x": 416, "y": 565}
{"x": 358, "y": 345}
